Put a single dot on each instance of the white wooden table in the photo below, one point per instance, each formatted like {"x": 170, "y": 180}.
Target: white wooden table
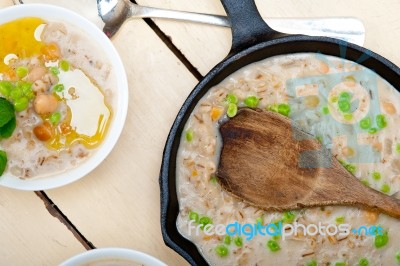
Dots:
{"x": 118, "y": 204}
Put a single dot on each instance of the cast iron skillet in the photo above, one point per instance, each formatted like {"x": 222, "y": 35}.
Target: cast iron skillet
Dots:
{"x": 253, "y": 40}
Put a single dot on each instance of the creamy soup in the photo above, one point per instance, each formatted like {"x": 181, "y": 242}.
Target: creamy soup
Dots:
{"x": 59, "y": 84}
{"x": 112, "y": 262}
{"x": 351, "y": 110}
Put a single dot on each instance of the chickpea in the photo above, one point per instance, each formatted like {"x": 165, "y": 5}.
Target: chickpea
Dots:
{"x": 312, "y": 101}
{"x": 43, "y": 131}
{"x": 348, "y": 151}
{"x": 377, "y": 146}
{"x": 323, "y": 68}
{"x": 45, "y": 104}
{"x": 389, "y": 108}
{"x": 371, "y": 217}
{"x": 350, "y": 81}
{"x": 36, "y": 73}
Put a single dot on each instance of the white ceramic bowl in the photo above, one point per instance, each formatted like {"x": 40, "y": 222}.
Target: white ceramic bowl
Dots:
{"x": 120, "y": 104}
{"x": 110, "y": 254}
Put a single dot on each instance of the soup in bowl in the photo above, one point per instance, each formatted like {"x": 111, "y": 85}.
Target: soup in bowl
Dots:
{"x": 63, "y": 97}
{"x": 112, "y": 257}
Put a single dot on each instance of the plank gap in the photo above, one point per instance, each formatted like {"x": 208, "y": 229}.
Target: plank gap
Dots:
{"x": 168, "y": 42}
{"x": 57, "y": 213}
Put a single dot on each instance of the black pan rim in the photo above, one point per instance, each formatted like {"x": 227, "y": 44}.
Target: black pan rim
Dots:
{"x": 171, "y": 235}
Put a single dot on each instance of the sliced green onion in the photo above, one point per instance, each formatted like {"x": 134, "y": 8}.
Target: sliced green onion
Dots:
{"x": 21, "y": 104}
{"x": 58, "y": 88}
{"x": 54, "y": 70}
{"x": 345, "y": 96}
{"x": 26, "y": 88}
{"x": 277, "y": 237}
{"x": 221, "y": 250}
{"x": 312, "y": 263}
{"x": 381, "y": 121}
{"x": 288, "y": 217}
{"x": 339, "y": 263}
{"x": 365, "y": 123}
{"x": 372, "y": 130}
{"x": 398, "y": 147}
{"x": 252, "y": 101}
{"x": 213, "y": 179}
{"x": 55, "y": 118}
{"x": 365, "y": 182}
{"x": 385, "y": 188}
{"x": 351, "y": 168}
{"x": 232, "y": 110}
{"x": 397, "y": 256}
{"x": 30, "y": 95}
{"x": 376, "y": 175}
{"x": 64, "y": 65}
{"x": 203, "y": 221}
{"x": 259, "y": 221}
{"x": 227, "y": 240}
{"x": 6, "y": 87}
{"x": 16, "y": 93}
{"x": 231, "y": 98}
{"x": 325, "y": 110}
{"x": 340, "y": 219}
{"x": 381, "y": 240}
{"x": 273, "y": 245}
{"x": 22, "y": 72}
{"x": 238, "y": 241}
{"x": 348, "y": 117}
{"x": 284, "y": 109}
{"x": 344, "y": 106}
{"x": 333, "y": 99}
{"x": 189, "y": 134}
{"x": 194, "y": 216}
{"x": 273, "y": 108}
{"x": 363, "y": 262}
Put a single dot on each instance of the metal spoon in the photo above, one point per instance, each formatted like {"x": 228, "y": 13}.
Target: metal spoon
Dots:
{"x": 115, "y": 12}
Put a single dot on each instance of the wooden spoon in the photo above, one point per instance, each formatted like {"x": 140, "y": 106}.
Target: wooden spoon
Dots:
{"x": 264, "y": 165}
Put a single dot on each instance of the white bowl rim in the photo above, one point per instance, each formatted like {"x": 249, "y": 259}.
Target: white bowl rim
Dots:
{"x": 112, "y": 253}
{"x": 51, "y": 12}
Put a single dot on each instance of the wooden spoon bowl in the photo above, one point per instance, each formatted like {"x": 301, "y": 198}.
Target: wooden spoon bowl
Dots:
{"x": 264, "y": 164}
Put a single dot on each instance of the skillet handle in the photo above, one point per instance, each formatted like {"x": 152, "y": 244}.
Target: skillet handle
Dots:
{"x": 248, "y": 27}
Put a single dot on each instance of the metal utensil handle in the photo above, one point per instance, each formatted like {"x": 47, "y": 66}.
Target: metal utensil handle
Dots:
{"x": 248, "y": 27}
{"x": 150, "y": 12}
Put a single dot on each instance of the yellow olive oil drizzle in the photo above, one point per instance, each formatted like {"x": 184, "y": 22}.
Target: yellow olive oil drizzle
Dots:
{"x": 18, "y": 38}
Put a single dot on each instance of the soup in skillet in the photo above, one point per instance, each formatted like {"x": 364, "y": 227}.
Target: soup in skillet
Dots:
{"x": 350, "y": 109}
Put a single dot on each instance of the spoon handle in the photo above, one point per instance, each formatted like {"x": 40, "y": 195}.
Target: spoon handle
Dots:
{"x": 151, "y": 12}
{"x": 380, "y": 202}
{"x": 350, "y": 191}
{"x": 346, "y": 28}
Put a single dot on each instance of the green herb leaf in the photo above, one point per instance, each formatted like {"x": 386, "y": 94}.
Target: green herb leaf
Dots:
{"x": 6, "y": 111}
{"x": 3, "y": 161}
{"x": 7, "y": 130}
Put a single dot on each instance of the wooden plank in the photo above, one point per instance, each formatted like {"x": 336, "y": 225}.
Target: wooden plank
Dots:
{"x": 118, "y": 204}
{"x": 29, "y": 234}
{"x": 206, "y": 45}
{"x": 5, "y": 3}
